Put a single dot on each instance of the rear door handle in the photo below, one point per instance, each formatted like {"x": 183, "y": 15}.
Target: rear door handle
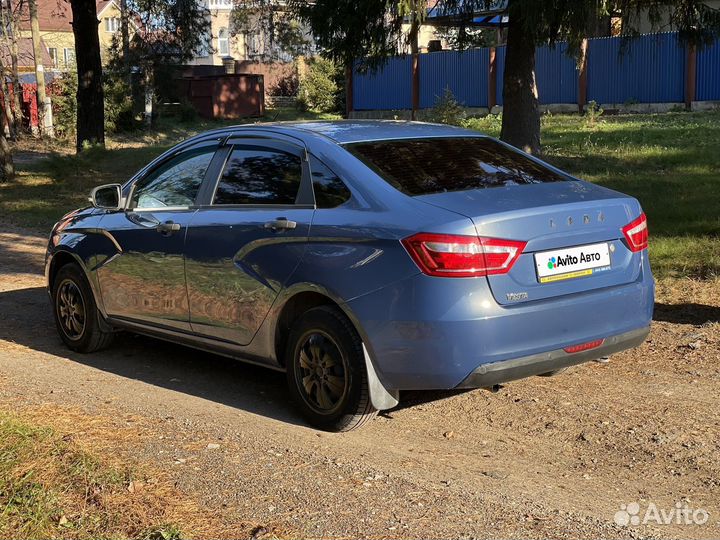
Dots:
{"x": 280, "y": 223}
{"x": 168, "y": 227}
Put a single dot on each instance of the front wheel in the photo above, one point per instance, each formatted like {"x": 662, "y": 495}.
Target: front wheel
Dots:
{"x": 76, "y": 315}
{"x": 326, "y": 371}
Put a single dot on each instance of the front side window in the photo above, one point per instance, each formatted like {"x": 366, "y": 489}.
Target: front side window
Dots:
{"x": 176, "y": 182}
{"x": 438, "y": 165}
{"x": 254, "y": 175}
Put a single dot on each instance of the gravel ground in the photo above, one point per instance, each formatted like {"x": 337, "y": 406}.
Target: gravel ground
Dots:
{"x": 545, "y": 457}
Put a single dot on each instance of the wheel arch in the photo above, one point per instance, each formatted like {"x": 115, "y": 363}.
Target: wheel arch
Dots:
{"x": 298, "y": 302}
{"x": 292, "y": 308}
{"x": 62, "y": 257}
{"x": 57, "y": 261}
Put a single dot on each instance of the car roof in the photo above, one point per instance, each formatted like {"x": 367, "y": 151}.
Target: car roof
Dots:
{"x": 351, "y": 131}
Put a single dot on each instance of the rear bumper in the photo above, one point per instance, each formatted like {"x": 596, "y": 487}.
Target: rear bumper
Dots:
{"x": 536, "y": 364}
{"x": 425, "y": 333}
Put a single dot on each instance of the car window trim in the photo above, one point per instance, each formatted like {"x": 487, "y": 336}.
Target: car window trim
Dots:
{"x": 305, "y": 196}
{"x": 149, "y": 170}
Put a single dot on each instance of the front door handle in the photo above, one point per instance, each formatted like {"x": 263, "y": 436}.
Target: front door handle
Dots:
{"x": 280, "y": 224}
{"x": 168, "y": 228}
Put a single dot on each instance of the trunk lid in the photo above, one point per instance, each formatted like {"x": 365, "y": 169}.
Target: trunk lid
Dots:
{"x": 552, "y": 218}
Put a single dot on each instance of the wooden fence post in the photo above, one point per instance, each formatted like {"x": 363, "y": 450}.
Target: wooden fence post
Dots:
{"x": 415, "y": 85}
{"x": 690, "y": 76}
{"x": 583, "y": 76}
{"x": 348, "y": 90}
{"x": 492, "y": 80}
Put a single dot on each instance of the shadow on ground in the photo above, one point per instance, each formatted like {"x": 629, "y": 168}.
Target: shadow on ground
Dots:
{"x": 696, "y": 314}
{"x": 26, "y": 319}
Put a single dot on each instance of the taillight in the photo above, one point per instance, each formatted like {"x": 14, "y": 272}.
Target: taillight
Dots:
{"x": 636, "y": 233}
{"x": 450, "y": 255}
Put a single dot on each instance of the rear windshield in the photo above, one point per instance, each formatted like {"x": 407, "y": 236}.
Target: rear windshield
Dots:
{"x": 438, "y": 165}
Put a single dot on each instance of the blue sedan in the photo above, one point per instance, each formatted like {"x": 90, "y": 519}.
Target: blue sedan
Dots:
{"x": 362, "y": 258}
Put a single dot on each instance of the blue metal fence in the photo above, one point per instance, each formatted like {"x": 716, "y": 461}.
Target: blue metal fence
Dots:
{"x": 388, "y": 88}
{"x": 708, "y": 73}
{"x": 465, "y": 73}
{"x": 649, "y": 69}
{"x": 556, "y": 74}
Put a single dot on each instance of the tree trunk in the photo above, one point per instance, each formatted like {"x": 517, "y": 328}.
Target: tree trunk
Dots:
{"x": 521, "y": 114}
{"x": 90, "y": 105}
{"x": 13, "y": 112}
{"x": 14, "y": 68}
{"x": 8, "y": 112}
{"x": 8, "y": 167}
{"x": 40, "y": 95}
{"x": 149, "y": 93}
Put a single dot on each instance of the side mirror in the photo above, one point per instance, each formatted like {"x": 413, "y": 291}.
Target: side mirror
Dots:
{"x": 107, "y": 197}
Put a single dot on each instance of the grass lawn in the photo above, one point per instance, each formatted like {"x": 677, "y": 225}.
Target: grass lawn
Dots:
{"x": 53, "y": 487}
{"x": 670, "y": 162}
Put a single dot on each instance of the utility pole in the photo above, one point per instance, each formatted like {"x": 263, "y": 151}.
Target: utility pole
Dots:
{"x": 44, "y": 115}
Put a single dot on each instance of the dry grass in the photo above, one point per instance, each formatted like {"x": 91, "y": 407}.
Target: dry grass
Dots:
{"x": 64, "y": 474}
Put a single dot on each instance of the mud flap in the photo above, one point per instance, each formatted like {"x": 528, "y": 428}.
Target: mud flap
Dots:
{"x": 380, "y": 397}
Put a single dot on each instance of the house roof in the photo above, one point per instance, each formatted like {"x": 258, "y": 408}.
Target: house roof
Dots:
{"x": 54, "y": 15}
{"x": 26, "y": 57}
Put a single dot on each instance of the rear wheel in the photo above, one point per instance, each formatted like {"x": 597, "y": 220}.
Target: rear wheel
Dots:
{"x": 76, "y": 315}
{"x": 326, "y": 371}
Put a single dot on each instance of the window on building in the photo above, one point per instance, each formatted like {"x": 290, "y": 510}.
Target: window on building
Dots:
{"x": 223, "y": 42}
{"x": 220, "y": 4}
{"x": 253, "y": 42}
{"x": 53, "y": 56}
{"x": 69, "y": 57}
{"x": 112, "y": 24}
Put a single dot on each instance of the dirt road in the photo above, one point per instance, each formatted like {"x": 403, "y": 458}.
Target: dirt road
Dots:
{"x": 545, "y": 457}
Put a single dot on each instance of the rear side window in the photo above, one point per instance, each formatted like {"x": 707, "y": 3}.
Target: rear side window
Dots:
{"x": 438, "y": 165}
{"x": 259, "y": 176}
{"x": 330, "y": 191}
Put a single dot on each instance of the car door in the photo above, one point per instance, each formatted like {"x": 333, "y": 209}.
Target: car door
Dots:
{"x": 245, "y": 242}
{"x": 145, "y": 282}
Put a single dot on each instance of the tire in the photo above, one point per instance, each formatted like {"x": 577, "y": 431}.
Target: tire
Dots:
{"x": 326, "y": 371}
{"x": 76, "y": 315}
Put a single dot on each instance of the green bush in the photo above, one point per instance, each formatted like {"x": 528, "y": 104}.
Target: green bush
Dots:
{"x": 119, "y": 114}
{"x": 447, "y": 110}
{"x": 187, "y": 113}
{"x": 318, "y": 89}
{"x": 63, "y": 96}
